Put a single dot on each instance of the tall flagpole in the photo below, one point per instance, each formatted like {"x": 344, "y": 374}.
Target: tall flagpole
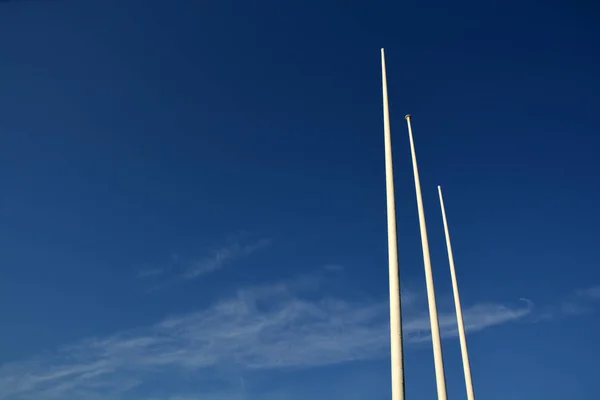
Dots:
{"x": 459, "y": 316}
{"x": 433, "y": 316}
{"x": 395, "y": 312}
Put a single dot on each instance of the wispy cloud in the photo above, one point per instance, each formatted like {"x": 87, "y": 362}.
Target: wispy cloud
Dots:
{"x": 221, "y": 257}
{"x": 260, "y": 328}
{"x": 178, "y": 269}
{"x": 476, "y": 318}
{"x": 333, "y": 267}
{"x": 579, "y": 302}
{"x": 591, "y": 293}
{"x": 148, "y": 272}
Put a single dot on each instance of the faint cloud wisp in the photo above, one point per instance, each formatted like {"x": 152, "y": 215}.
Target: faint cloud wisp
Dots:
{"x": 179, "y": 270}
{"x": 221, "y": 257}
{"x": 580, "y": 302}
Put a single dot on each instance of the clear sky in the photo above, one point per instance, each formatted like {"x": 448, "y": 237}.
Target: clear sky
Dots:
{"x": 192, "y": 197}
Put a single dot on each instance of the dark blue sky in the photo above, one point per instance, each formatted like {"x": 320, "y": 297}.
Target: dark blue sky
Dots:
{"x": 192, "y": 197}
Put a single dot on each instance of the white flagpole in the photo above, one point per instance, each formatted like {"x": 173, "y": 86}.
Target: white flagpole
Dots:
{"x": 459, "y": 316}
{"x": 395, "y": 307}
{"x": 433, "y": 316}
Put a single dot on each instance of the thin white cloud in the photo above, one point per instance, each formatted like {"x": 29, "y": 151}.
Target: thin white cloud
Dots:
{"x": 580, "y": 302}
{"x": 179, "y": 270}
{"x": 476, "y": 318}
{"x": 333, "y": 267}
{"x": 150, "y": 272}
{"x": 260, "y": 328}
{"x": 221, "y": 257}
{"x": 591, "y": 293}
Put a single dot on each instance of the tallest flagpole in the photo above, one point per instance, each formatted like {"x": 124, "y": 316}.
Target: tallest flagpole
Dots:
{"x": 395, "y": 308}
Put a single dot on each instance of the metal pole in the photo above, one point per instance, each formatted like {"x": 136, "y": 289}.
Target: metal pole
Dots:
{"x": 459, "y": 316}
{"x": 395, "y": 307}
{"x": 433, "y": 316}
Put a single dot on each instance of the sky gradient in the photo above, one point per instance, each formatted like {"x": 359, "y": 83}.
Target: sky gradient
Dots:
{"x": 192, "y": 197}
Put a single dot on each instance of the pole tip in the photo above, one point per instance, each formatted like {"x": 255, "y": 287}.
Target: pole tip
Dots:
{"x": 439, "y": 187}
{"x": 407, "y": 116}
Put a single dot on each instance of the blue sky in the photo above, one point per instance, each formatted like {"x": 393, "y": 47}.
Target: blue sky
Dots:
{"x": 192, "y": 197}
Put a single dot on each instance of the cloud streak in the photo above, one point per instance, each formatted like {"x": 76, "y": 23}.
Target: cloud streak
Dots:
{"x": 260, "y": 328}
{"x": 589, "y": 294}
{"x": 222, "y": 257}
{"x": 476, "y": 318}
{"x": 179, "y": 271}
{"x": 582, "y": 301}
{"x": 150, "y": 272}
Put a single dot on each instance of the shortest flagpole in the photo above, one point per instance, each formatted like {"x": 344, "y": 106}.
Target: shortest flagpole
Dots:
{"x": 459, "y": 316}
